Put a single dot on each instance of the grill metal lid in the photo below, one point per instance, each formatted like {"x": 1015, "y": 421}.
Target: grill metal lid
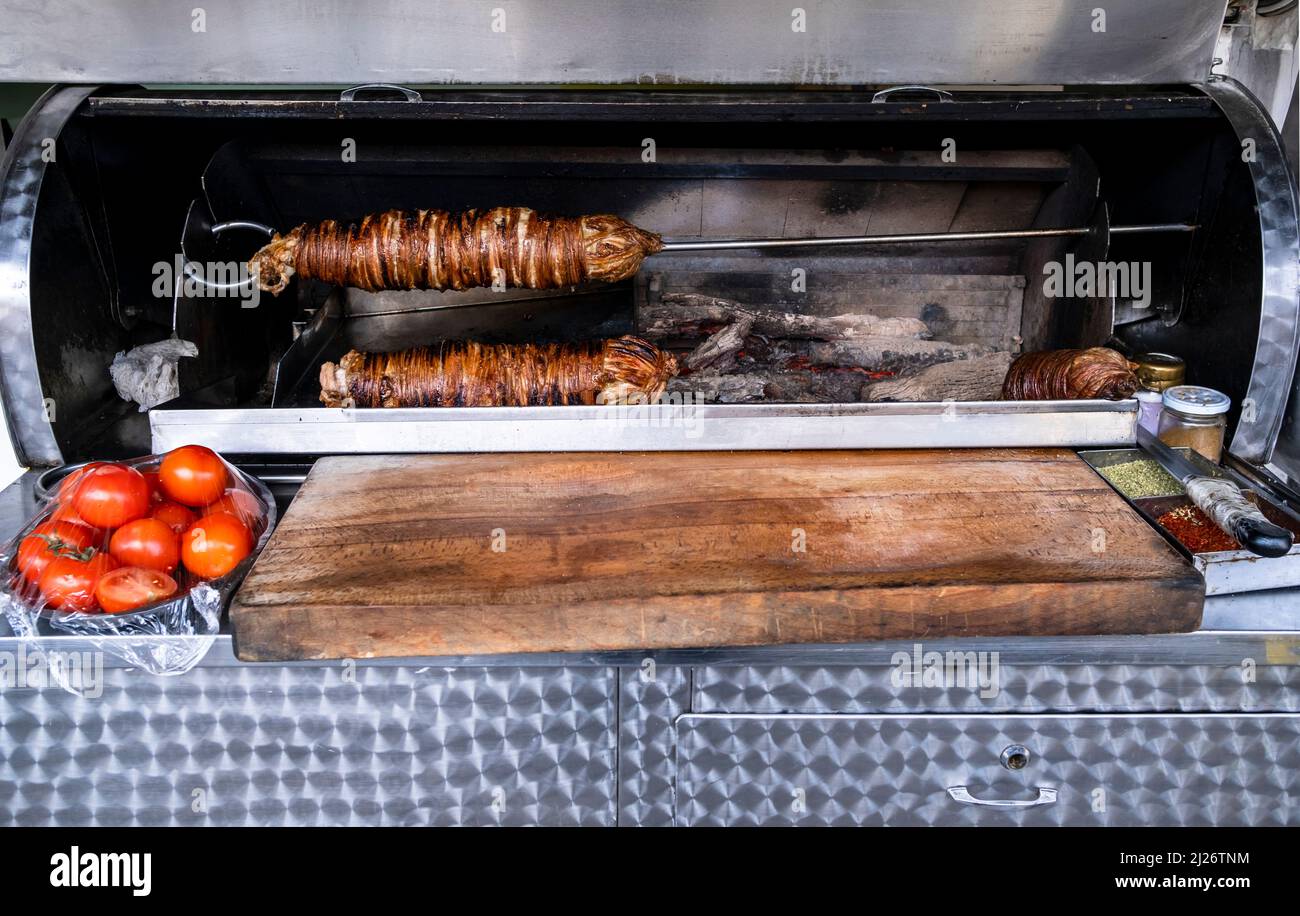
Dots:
{"x": 728, "y": 42}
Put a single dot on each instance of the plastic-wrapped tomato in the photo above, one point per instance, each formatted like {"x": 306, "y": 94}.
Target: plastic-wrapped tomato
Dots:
{"x": 64, "y": 512}
{"x": 174, "y": 516}
{"x": 111, "y": 495}
{"x": 49, "y": 540}
{"x": 129, "y": 587}
{"x": 241, "y": 504}
{"x": 68, "y": 485}
{"x": 193, "y": 475}
{"x": 69, "y": 583}
{"x": 148, "y": 543}
{"x": 215, "y": 544}
{"x": 155, "y": 486}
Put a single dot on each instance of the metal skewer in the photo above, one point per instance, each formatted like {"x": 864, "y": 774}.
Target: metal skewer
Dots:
{"x": 671, "y": 245}
{"x": 838, "y": 240}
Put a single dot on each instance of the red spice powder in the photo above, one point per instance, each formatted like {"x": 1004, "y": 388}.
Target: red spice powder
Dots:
{"x": 1196, "y": 531}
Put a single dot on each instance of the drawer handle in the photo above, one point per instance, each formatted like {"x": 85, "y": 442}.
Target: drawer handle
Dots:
{"x": 961, "y": 794}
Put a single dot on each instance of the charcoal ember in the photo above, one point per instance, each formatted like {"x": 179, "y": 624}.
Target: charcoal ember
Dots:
{"x": 685, "y": 316}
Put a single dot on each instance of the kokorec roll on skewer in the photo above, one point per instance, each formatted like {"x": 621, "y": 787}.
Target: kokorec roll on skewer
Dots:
{"x": 1049, "y": 375}
{"x": 469, "y": 374}
{"x": 516, "y": 247}
{"x": 435, "y": 249}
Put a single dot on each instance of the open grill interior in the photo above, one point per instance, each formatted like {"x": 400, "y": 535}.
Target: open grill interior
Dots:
{"x": 137, "y": 169}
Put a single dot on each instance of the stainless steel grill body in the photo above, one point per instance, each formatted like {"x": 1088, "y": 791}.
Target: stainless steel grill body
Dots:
{"x": 783, "y": 141}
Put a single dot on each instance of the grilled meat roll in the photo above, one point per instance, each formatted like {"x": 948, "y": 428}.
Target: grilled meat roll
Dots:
{"x": 1049, "y": 375}
{"x": 434, "y": 249}
{"x": 469, "y": 374}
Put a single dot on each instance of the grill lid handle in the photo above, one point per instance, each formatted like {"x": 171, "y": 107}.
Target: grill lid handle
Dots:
{"x": 883, "y": 95}
{"x": 350, "y": 95}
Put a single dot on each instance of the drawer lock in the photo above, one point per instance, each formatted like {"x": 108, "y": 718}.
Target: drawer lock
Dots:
{"x": 1015, "y": 757}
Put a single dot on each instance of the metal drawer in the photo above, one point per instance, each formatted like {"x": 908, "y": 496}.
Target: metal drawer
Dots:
{"x": 1020, "y": 688}
{"x": 1153, "y": 769}
{"x": 315, "y": 745}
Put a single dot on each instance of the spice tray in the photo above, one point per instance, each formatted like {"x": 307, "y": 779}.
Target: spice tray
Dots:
{"x": 1226, "y": 572}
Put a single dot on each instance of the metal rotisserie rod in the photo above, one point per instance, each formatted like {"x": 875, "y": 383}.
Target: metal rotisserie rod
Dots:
{"x": 516, "y": 247}
{"x": 914, "y": 238}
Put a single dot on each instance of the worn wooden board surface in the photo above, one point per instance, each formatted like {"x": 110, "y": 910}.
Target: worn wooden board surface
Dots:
{"x": 477, "y": 554}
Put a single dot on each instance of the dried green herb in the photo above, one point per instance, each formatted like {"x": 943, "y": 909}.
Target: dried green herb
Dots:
{"x": 1141, "y": 477}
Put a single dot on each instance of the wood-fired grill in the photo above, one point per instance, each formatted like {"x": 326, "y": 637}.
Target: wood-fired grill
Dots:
{"x": 799, "y": 344}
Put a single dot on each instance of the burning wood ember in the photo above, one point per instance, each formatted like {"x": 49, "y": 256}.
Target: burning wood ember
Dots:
{"x": 719, "y": 351}
{"x": 789, "y": 386}
{"x": 895, "y": 355}
{"x": 689, "y": 315}
{"x": 748, "y": 355}
{"x": 977, "y": 379}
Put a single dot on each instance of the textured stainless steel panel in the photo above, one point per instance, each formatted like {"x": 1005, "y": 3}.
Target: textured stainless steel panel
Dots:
{"x": 1273, "y": 377}
{"x": 561, "y": 41}
{"x": 651, "y": 697}
{"x": 1149, "y": 770}
{"x": 21, "y": 174}
{"x": 655, "y": 427}
{"x": 280, "y": 746}
{"x": 17, "y": 504}
{"x": 1279, "y": 646}
{"x": 1256, "y": 686}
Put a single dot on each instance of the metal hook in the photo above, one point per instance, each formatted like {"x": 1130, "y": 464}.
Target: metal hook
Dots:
{"x": 192, "y": 270}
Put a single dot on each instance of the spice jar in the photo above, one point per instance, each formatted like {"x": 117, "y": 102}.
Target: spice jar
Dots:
{"x": 1195, "y": 417}
{"x": 1150, "y": 403}
{"x": 1159, "y": 371}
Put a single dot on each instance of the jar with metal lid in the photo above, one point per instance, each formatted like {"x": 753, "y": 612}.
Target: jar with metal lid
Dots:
{"x": 1196, "y": 418}
{"x": 1159, "y": 371}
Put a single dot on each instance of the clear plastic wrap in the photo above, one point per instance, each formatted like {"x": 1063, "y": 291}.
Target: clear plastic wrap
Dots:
{"x": 98, "y": 563}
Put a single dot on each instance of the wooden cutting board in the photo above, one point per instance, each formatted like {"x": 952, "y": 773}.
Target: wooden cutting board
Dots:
{"x": 477, "y": 554}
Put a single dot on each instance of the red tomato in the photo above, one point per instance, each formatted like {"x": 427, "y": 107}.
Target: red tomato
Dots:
{"x": 49, "y": 540}
{"x": 148, "y": 543}
{"x": 193, "y": 475}
{"x": 111, "y": 495}
{"x": 69, "y": 583}
{"x": 239, "y": 503}
{"x": 130, "y": 587}
{"x": 64, "y": 512}
{"x": 68, "y": 485}
{"x": 155, "y": 486}
{"x": 215, "y": 544}
{"x": 174, "y": 516}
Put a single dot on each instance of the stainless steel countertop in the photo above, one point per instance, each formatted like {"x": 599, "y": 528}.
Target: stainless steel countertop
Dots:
{"x": 1262, "y": 625}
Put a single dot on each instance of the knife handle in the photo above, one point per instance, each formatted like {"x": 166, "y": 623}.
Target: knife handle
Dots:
{"x": 1227, "y": 506}
{"x": 1262, "y": 537}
